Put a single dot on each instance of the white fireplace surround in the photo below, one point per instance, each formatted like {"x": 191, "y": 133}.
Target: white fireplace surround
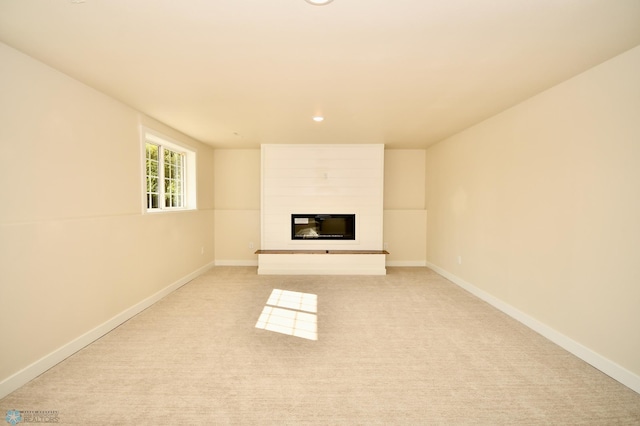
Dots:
{"x": 304, "y": 179}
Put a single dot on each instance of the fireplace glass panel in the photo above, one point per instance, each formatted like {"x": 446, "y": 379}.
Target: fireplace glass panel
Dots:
{"x": 323, "y": 226}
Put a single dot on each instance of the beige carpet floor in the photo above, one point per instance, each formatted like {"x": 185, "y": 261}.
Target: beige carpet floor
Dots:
{"x": 407, "y": 348}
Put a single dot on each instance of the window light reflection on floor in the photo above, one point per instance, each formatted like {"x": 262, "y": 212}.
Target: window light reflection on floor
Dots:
{"x": 292, "y": 313}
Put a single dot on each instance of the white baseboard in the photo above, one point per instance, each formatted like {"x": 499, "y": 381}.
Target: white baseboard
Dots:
{"x": 610, "y": 368}
{"x": 321, "y": 264}
{"x": 397, "y": 263}
{"x": 307, "y": 271}
{"x": 406, "y": 263}
{"x": 32, "y": 371}
{"x": 236, "y": 262}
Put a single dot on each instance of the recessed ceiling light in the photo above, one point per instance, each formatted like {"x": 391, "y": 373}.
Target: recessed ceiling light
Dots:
{"x": 318, "y": 118}
{"x": 318, "y": 2}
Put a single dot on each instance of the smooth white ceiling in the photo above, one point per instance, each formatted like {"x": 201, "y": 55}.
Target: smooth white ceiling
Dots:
{"x": 237, "y": 73}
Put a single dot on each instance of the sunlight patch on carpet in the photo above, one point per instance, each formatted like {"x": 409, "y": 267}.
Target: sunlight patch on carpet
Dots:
{"x": 292, "y": 313}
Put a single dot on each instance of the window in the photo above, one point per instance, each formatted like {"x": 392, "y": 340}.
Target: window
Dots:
{"x": 165, "y": 171}
{"x": 169, "y": 175}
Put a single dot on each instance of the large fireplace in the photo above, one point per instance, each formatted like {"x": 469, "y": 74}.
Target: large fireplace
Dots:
{"x": 323, "y": 226}
{"x": 310, "y": 212}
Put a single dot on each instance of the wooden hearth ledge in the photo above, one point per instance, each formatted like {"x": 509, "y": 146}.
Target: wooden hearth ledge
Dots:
{"x": 321, "y": 252}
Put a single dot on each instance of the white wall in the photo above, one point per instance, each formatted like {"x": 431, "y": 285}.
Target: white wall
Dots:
{"x": 237, "y": 206}
{"x": 77, "y": 253}
{"x": 405, "y": 216}
{"x": 541, "y": 204}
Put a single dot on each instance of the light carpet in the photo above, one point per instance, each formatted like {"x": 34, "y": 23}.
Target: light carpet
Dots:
{"x": 406, "y": 348}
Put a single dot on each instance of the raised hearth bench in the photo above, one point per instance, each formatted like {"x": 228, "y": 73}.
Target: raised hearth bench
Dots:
{"x": 321, "y": 262}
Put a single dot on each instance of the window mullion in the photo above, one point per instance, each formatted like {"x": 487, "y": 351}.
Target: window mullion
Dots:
{"x": 161, "y": 201}
{"x": 183, "y": 177}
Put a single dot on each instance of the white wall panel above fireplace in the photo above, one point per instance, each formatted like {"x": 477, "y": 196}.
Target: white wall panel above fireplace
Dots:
{"x": 322, "y": 179}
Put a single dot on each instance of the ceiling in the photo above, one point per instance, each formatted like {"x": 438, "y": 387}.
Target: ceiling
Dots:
{"x": 238, "y": 73}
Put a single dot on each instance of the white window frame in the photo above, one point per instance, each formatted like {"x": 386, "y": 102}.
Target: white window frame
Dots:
{"x": 189, "y": 171}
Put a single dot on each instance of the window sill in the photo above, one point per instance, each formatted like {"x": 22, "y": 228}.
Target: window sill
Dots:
{"x": 160, "y": 211}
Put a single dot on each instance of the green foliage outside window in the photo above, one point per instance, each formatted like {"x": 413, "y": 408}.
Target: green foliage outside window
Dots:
{"x": 171, "y": 163}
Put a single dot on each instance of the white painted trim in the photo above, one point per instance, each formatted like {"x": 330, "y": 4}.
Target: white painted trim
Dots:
{"x": 32, "y": 371}
{"x": 406, "y": 263}
{"x": 610, "y": 368}
{"x": 224, "y": 262}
